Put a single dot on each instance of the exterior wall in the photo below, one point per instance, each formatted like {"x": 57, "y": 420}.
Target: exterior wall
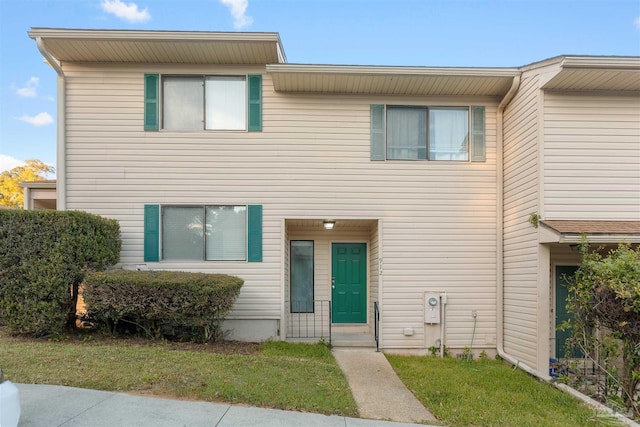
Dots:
{"x": 520, "y": 238}
{"x": 591, "y": 157}
{"x": 312, "y": 160}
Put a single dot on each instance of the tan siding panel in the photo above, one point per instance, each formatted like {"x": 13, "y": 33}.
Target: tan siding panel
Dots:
{"x": 592, "y": 157}
{"x": 520, "y": 238}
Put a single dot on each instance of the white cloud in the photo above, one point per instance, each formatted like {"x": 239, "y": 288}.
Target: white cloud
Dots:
{"x": 29, "y": 89}
{"x": 7, "y": 162}
{"x": 637, "y": 23}
{"x": 238, "y": 9}
{"x": 127, "y": 11}
{"x": 41, "y": 119}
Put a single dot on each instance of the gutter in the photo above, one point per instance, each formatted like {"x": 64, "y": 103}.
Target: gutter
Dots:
{"x": 500, "y": 229}
{"x": 61, "y": 181}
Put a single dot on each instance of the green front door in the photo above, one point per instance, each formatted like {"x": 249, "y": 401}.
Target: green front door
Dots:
{"x": 349, "y": 282}
{"x": 563, "y": 272}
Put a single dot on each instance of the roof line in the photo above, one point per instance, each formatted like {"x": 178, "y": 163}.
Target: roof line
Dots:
{"x": 387, "y": 70}
{"x": 152, "y": 35}
{"x": 608, "y": 62}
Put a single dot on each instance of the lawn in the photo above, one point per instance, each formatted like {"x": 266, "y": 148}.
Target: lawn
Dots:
{"x": 280, "y": 375}
{"x": 487, "y": 393}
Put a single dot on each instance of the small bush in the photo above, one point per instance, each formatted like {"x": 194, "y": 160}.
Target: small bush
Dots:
{"x": 161, "y": 303}
{"x": 44, "y": 255}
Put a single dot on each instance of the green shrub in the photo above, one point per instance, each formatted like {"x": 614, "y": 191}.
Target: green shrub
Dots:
{"x": 161, "y": 303}
{"x": 44, "y": 255}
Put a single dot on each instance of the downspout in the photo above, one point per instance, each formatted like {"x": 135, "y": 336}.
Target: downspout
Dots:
{"x": 500, "y": 228}
{"x": 61, "y": 182}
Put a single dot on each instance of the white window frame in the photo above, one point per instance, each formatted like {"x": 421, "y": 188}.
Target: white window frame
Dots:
{"x": 427, "y": 141}
{"x": 204, "y": 77}
{"x": 204, "y": 236}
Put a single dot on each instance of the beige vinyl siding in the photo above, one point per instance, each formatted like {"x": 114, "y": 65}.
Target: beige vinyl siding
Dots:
{"x": 592, "y": 157}
{"x": 311, "y": 161}
{"x": 520, "y": 238}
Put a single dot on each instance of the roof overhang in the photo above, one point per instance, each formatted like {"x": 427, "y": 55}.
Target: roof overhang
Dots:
{"x": 381, "y": 80}
{"x": 160, "y": 47}
{"x": 570, "y": 231}
{"x": 596, "y": 73}
{"x": 46, "y": 184}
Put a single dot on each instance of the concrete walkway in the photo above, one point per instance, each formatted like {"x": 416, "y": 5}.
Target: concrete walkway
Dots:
{"x": 46, "y": 405}
{"x": 377, "y": 389}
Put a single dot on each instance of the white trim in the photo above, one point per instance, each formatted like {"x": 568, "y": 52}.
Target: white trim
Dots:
{"x": 548, "y": 235}
{"x": 543, "y": 333}
{"x": 135, "y": 35}
{"x": 61, "y": 146}
{"x": 283, "y": 314}
{"x": 380, "y": 281}
{"x": 26, "y": 202}
{"x": 599, "y": 62}
{"x": 364, "y": 70}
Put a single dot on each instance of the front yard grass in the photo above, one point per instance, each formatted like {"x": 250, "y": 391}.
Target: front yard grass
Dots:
{"x": 487, "y": 393}
{"x": 280, "y": 375}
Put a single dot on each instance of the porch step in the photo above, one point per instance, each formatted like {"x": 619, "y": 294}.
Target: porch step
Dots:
{"x": 347, "y": 339}
{"x": 351, "y": 328}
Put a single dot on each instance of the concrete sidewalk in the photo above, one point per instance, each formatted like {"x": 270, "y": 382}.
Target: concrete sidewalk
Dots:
{"x": 377, "y": 389}
{"x": 45, "y": 405}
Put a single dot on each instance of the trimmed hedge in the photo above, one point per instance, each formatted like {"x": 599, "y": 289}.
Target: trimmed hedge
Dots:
{"x": 160, "y": 304}
{"x": 44, "y": 255}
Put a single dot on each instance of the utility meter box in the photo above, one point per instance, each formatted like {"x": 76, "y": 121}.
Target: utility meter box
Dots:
{"x": 432, "y": 308}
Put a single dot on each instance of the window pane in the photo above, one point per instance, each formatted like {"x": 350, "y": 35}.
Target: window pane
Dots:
{"x": 183, "y": 103}
{"x": 226, "y": 233}
{"x": 301, "y": 276}
{"x": 226, "y": 102}
{"x": 182, "y": 232}
{"x": 406, "y": 133}
{"x": 448, "y": 134}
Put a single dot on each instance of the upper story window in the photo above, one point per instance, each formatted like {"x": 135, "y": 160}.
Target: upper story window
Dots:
{"x": 427, "y": 133}
{"x": 197, "y": 102}
{"x": 204, "y": 102}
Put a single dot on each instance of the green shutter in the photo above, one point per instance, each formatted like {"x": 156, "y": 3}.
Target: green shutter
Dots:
{"x": 255, "y": 103}
{"x": 151, "y": 233}
{"x": 478, "y": 146}
{"x": 377, "y": 132}
{"x": 151, "y": 105}
{"x": 254, "y": 234}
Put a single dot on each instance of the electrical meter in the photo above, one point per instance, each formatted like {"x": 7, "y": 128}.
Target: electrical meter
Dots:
{"x": 431, "y": 308}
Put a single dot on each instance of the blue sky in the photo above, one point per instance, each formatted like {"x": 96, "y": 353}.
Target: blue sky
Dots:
{"x": 478, "y": 33}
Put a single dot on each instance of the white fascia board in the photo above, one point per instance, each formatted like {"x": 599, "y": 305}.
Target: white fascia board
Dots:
{"x": 601, "y": 238}
{"x": 602, "y": 62}
{"x": 62, "y": 33}
{"x": 546, "y": 235}
{"x": 38, "y": 184}
{"x": 392, "y": 70}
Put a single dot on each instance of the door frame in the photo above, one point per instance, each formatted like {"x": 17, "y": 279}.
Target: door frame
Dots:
{"x": 554, "y": 295}
{"x": 367, "y": 275}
